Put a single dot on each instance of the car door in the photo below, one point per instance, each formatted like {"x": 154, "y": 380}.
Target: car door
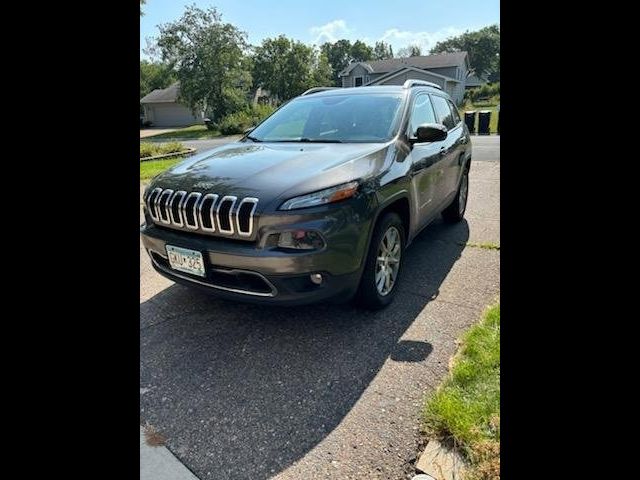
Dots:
{"x": 425, "y": 161}
{"x": 452, "y": 148}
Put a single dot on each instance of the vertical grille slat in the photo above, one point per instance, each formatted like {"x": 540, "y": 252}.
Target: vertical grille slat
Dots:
{"x": 244, "y": 216}
{"x": 175, "y": 207}
{"x": 205, "y": 213}
{"x": 223, "y": 214}
{"x": 151, "y": 203}
{"x": 189, "y": 212}
{"x": 162, "y": 205}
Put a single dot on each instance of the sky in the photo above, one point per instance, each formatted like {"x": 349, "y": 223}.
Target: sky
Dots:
{"x": 400, "y": 23}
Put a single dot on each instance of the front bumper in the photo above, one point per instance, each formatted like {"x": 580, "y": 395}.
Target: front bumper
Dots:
{"x": 250, "y": 272}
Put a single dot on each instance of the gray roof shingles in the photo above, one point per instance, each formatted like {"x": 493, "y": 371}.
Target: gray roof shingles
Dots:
{"x": 422, "y": 62}
{"x": 164, "y": 95}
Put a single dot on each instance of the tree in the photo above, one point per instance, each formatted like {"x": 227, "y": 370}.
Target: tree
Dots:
{"x": 155, "y": 75}
{"x": 142, "y": 2}
{"x": 284, "y": 67}
{"x": 483, "y": 47}
{"x": 338, "y": 54}
{"x": 322, "y": 73}
{"x": 361, "y": 52}
{"x": 382, "y": 51}
{"x": 209, "y": 58}
{"x": 410, "y": 51}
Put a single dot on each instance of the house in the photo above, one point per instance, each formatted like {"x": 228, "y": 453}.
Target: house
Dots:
{"x": 162, "y": 109}
{"x": 475, "y": 81}
{"x": 449, "y": 70}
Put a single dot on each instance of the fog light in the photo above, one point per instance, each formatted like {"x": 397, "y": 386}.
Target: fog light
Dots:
{"x": 316, "y": 278}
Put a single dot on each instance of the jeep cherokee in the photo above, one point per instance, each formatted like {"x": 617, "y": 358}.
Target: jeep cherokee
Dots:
{"x": 317, "y": 202}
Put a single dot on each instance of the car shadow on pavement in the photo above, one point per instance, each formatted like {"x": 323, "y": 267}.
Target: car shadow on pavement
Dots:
{"x": 244, "y": 391}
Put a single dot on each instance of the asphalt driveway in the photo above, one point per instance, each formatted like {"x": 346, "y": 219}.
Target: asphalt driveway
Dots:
{"x": 324, "y": 391}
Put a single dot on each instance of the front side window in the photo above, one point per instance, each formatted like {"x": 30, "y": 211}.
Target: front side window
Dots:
{"x": 443, "y": 111}
{"x": 335, "y": 118}
{"x": 421, "y": 112}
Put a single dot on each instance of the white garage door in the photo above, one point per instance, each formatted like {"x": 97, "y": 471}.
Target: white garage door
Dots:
{"x": 173, "y": 115}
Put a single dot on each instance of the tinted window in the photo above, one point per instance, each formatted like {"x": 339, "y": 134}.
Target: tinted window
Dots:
{"x": 443, "y": 111}
{"x": 339, "y": 118}
{"x": 454, "y": 110}
{"x": 421, "y": 112}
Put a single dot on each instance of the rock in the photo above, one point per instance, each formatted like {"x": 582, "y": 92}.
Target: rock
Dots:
{"x": 440, "y": 463}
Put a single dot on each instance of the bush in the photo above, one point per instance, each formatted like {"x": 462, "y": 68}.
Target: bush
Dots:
{"x": 235, "y": 123}
{"x": 148, "y": 149}
{"x": 239, "y": 121}
{"x": 147, "y": 123}
{"x": 485, "y": 91}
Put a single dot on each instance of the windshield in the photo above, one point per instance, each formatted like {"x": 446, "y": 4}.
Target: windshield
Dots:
{"x": 336, "y": 118}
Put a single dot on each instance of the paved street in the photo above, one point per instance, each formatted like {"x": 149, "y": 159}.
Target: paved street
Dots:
{"x": 325, "y": 391}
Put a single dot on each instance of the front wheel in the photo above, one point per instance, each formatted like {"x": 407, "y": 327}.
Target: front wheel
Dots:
{"x": 455, "y": 212}
{"x": 383, "y": 264}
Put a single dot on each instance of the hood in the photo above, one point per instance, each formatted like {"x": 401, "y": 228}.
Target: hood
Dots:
{"x": 274, "y": 172}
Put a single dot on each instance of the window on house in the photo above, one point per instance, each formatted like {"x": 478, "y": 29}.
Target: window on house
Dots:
{"x": 358, "y": 81}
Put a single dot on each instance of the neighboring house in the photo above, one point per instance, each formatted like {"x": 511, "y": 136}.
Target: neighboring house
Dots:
{"x": 162, "y": 109}
{"x": 475, "y": 81}
{"x": 449, "y": 70}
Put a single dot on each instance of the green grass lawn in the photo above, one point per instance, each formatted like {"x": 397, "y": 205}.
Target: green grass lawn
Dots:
{"x": 465, "y": 410}
{"x": 194, "y": 132}
{"x": 150, "y": 169}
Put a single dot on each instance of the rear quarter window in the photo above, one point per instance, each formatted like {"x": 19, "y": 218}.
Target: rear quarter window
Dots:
{"x": 443, "y": 112}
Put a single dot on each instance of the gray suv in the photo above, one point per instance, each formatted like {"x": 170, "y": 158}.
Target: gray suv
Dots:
{"x": 317, "y": 202}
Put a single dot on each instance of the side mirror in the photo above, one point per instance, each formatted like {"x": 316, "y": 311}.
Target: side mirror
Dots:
{"x": 430, "y": 132}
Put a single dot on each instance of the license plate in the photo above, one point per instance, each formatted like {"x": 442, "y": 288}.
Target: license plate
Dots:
{"x": 185, "y": 260}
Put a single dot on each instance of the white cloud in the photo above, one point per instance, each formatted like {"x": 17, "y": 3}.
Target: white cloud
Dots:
{"x": 425, "y": 40}
{"x": 398, "y": 39}
{"x": 330, "y": 32}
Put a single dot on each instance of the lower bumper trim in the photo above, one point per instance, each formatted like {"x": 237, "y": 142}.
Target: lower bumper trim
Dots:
{"x": 273, "y": 292}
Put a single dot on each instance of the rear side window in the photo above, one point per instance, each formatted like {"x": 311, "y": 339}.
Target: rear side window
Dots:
{"x": 443, "y": 111}
{"x": 454, "y": 111}
{"x": 422, "y": 112}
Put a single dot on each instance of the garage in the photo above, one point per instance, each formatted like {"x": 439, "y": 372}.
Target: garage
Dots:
{"x": 162, "y": 109}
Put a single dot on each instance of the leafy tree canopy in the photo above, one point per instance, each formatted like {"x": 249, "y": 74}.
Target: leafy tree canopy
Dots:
{"x": 382, "y": 51}
{"x": 155, "y": 75}
{"x": 483, "y": 47}
{"x": 284, "y": 67}
{"x": 209, "y": 58}
{"x": 410, "y": 51}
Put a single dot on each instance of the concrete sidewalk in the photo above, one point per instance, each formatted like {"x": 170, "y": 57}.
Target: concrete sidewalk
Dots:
{"x": 158, "y": 463}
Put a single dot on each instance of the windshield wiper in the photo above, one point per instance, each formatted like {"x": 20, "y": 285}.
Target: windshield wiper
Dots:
{"x": 253, "y": 138}
{"x": 319, "y": 140}
{"x": 310, "y": 140}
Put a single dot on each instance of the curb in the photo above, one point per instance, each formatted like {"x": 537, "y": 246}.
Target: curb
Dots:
{"x": 186, "y": 152}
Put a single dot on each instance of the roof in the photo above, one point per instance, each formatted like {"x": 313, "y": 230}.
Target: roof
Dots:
{"x": 163, "y": 95}
{"x": 365, "y": 90}
{"x": 401, "y": 70}
{"x": 422, "y": 62}
{"x": 475, "y": 81}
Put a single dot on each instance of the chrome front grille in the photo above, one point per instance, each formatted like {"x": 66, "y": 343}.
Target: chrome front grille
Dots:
{"x": 204, "y": 213}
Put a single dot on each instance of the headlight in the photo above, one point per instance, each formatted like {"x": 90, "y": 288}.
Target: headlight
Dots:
{"x": 301, "y": 240}
{"x": 329, "y": 195}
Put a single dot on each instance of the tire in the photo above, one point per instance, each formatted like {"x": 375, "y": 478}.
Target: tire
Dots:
{"x": 369, "y": 294}
{"x": 455, "y": 212}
